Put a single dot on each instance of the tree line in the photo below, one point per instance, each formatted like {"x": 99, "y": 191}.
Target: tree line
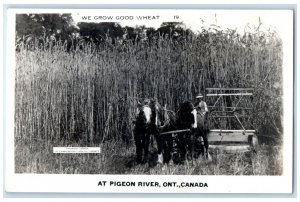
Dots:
{"x": 36, "y": 30}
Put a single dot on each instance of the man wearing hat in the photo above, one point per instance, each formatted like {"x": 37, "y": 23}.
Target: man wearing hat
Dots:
{"x": 202, "y": 110}
{"x": 200, "y": 105}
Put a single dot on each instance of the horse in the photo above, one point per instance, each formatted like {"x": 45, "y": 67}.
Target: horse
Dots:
{"x": 196, "y": 141}
{"x": 142, "y": 132}
{"x": 166, "y": 121}
{"x": 149, "y": 121}
{"x": 186, "y": 119}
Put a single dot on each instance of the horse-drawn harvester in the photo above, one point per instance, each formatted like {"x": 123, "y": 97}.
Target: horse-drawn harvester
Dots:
{"x": 229, "y": 120}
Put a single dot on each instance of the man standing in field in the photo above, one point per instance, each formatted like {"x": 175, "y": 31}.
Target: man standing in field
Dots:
{"x": 201, "y": 106}
{"x": 201, "y": 136}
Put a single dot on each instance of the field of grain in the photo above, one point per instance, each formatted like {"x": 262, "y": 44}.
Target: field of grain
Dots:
{"x": 88, "y": 97}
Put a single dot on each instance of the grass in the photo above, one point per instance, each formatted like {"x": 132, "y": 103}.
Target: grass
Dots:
{"x": 115, "y": 158}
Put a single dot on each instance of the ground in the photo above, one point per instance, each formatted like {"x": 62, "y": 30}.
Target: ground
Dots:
{"x": 34, "y": 156}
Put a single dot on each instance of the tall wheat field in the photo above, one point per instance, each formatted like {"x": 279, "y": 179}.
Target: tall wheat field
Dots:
{"x": 88, "y": 96}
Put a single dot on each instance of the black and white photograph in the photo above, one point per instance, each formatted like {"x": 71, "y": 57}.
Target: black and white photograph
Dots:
{"x": 163, "y": 100}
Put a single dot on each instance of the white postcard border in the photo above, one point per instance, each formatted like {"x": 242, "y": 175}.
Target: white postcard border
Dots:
{"x": 89, "y": 183}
